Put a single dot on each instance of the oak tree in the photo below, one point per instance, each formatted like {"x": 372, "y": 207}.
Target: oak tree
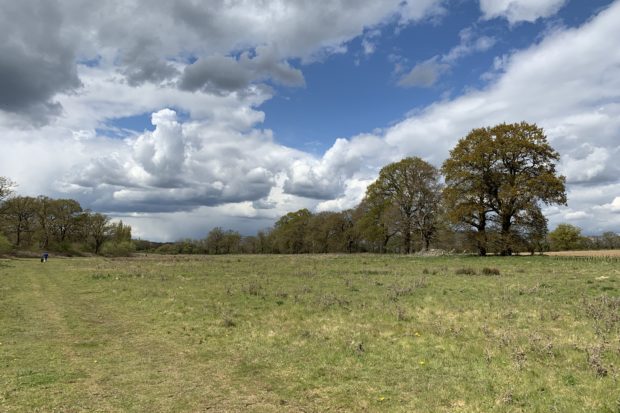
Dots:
{"x": 497, "y": 173}
{"x": 565, "y": 237}
{"x": 412, "y": 188}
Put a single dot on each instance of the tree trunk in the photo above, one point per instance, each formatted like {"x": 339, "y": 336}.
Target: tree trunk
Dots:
{"x": 481, "y": 236}
{"x": 407, "y": 242}
{"x": 481, "y": 242}
{"x": 506, "y": 247}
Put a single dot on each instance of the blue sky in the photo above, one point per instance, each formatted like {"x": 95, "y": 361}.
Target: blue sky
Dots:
{"x": 351, "y": 93}
{"x": 191, "y": 116}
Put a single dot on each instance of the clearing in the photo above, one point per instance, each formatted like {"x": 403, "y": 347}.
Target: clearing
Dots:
{"x": 310, "y": 333}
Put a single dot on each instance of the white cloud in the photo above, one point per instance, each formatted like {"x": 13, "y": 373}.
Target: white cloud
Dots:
{"x": 219, "y": 168}
{"x": 424, "y": 74}
{"x": 520, "y": 10}
{"x": 576, "y": 215}
{"x": 469, "y": 43}
{"x": 121, "y": 59}
{"x": 585, "y": 164}
{"x": 577, "y": 101}
{"x": 220, "y": 47}
{"x": 427, "y": 73}
{"x": 180, "y": 166}
{"x": 613, "y": 206}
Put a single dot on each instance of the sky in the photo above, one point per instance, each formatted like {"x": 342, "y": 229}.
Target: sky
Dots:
{"x": 178, "y": 116}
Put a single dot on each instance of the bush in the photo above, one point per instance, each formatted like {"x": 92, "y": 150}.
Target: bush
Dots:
{"x": 5, "y": 245}
{"x": 465, "y": 271}
{"x": 490, "y": 271}
{"x": 118, "y": 249}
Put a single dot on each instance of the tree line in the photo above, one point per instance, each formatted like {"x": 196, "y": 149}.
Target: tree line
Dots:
{"x": 485, "y": 198}
{"x": 567, "y": 237}
{"x": 45, "y": 224}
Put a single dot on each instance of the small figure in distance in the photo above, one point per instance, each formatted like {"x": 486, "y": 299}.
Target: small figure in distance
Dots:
{"x": 44, "y": 258}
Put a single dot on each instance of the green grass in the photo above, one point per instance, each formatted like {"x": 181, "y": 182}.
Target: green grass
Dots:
{"x": 310, "y": 333}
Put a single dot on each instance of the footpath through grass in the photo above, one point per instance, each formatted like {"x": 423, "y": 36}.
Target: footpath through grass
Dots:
{"x": 310, "y": 334}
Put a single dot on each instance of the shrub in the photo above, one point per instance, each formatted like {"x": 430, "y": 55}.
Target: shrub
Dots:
{"x": 490, "y": 271}
{"x": 118, "y": 249}
{"x": 465, "y": 271}
{"x": 5, "y": 245}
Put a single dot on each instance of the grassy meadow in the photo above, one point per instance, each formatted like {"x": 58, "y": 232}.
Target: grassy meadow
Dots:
{"x": 328, "y": 333}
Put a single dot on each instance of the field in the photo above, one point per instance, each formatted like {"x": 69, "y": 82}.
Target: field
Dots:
{"x": 586, "y": 253}
{"x": 310, "y": 334}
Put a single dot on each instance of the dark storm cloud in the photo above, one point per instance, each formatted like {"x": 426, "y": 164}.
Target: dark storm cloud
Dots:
{"x": 36, "y": 62}
{"x": 153, "y": 41}
{"x": 141, "y": 63}
{"x": 217, "y": 72}
{"x": 149, "y": 199}
{"x": 222, "y": 73}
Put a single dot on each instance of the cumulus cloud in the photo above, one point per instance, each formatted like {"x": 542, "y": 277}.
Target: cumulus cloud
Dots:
{"x": 141, "y": 63}
{"x": 37, "y": 60}
{"x": 299, "y": 29}
{"x": 217, "y": 73}
{"x": 220, "y": 47}
{"x": 217, "y": 166}
{"x": 186, "y": 165}
{"x": 469, "y": 43}
{"x": 426, "y": 73}
{"x": 520, "y": 10}
{"x": 574, "y": 100}
{"x": 613, "y": 206}
{"x": 369, "y": 41}
{"x": 585, "y": 164}
{"x": 180, "y": 166}
{"x": 346, "y": 161}
{"x": 576, "y": 215}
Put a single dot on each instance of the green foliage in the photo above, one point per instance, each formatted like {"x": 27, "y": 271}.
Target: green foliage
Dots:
{"x": 117, "y": 248}
{"x": 406, "y": 197}
{"x": 119, "y": 232}
{"x": 497, "y": 176}
{"x": 330, "y": 232}
{"x": 5, "y": 245}
{"x": 97, "y": 227}
{"x": 168, "y": 249}
{"x": 610, "y": 240}
{"x": 290, "y": 233}
{"x": 565, "y": 237}
{"x": 530, "y": 231}
{"x": 377, "y": 221}
{"x": 20, "y": 222}
{"x": 222, "y": 242}
{"x": 43, "y": 223}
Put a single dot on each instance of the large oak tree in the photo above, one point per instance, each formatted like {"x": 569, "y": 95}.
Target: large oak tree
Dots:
{"x": 495, "y": 174}
{"x": 412, "y": 188}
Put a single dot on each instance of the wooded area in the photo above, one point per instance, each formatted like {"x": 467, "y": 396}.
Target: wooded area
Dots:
{"x": 46, "y": 224}
{"x": 489, "y": 201}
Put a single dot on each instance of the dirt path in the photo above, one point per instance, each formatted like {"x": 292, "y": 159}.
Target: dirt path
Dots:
{"x": 57, "y": 304}
{"x": 104, "y": 352}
